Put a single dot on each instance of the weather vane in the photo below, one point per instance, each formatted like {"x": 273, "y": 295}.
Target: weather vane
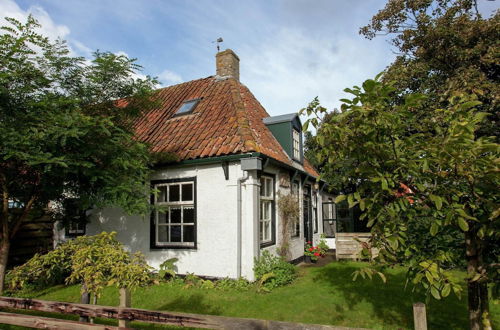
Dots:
{"x": 218, "y": 41}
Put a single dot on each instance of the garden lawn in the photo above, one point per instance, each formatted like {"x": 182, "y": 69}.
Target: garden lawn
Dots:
{"x": 321, "y": 295}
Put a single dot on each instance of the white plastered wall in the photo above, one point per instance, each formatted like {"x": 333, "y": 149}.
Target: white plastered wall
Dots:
{"x": 216, "y": 209}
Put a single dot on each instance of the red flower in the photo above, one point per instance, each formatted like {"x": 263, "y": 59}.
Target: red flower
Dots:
{"x": 309, "y": 242}
{"x": 311, "y": 249}
{"x": 316, "y": 254}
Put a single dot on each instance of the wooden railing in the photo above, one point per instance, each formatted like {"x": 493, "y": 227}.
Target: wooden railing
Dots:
{"x": 127, "y": 314}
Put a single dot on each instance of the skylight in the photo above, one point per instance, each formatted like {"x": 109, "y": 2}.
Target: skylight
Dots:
{"x": 187, "y": 106}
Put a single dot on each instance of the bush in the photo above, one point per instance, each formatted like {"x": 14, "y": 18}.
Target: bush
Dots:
{"x": 273, "y": 271}
{"x": 93, "y": 261}
{"x": 240, "y": 284}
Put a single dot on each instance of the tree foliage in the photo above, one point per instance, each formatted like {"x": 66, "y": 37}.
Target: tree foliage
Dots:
{"x": 433, "y": 171}
{"x": 67, "y": 129}
{"x": 443, "y": 47}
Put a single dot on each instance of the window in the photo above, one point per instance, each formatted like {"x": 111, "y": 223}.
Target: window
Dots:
{"x": 75, "y": 228}
{"x": 187, "y": 107}
{"x": 295, "y": 225}
{"x": 329, "y": 219}
{"x": 296, "y": 144}
{"x": 266, "y": 210}
{"x": 174, "y": 218}
{"x": 315, "y": 211}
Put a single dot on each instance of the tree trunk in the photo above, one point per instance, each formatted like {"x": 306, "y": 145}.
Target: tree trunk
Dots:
{"x": 474, "y": 301}
{"x": 4, "y": 257}
{"x": 477, "y": 291}
{"x": 485, "y": 306}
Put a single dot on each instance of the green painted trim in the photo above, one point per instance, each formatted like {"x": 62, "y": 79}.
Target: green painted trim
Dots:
{"x": 208, "y": 160}
{"x": 228, "y": 158}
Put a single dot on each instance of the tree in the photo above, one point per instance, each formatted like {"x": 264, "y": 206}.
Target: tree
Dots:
{"x": 443, "y": 47}
{"x": 67, "y": 129}
{"x": 433, "y": 171}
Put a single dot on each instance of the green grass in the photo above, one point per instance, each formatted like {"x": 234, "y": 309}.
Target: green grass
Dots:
{"x": 322, "y": 295}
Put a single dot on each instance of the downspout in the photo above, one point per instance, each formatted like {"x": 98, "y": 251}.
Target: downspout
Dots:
{"x": 239, "y": 226}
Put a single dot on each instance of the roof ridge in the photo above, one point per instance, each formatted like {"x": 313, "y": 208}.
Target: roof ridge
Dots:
{"x": 244, "y": 131}
{"x": 182, "y": 83}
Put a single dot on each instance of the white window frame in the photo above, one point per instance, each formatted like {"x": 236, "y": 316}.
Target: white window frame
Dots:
{"x": 167, "y": 206}
{"x": 266, "y": 202}
{"x": 296, "y": 144}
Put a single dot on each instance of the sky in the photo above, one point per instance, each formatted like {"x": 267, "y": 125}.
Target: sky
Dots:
{"x": 290, "y": 50}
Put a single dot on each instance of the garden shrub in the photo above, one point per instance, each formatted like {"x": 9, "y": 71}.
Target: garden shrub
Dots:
{"x": 240, "y": 284}
{"x": 94, "y": 261}
{"x": 275, "y": 270}
{"x": 168, "y": 269}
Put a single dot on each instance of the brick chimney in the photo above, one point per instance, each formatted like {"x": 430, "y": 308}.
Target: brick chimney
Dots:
{"x": 228, "y": 64}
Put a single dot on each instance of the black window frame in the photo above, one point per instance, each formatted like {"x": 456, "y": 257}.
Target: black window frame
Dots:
{"x": 314, "y": 206}
{"x": 152, "y": 237}
{"x": 273, "y": 210}
{"x": 326, "y": 219}
{"x": 70, "y": 233}
{"x": 296, "y": 225}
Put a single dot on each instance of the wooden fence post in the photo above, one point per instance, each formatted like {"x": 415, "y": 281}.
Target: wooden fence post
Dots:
{"x": 85, "y": 299}
{"x": 125, "y": 301}
{"x": 419, "y": 316}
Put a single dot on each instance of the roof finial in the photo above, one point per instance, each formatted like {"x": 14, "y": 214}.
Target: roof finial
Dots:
{"x": 218, "y": 41}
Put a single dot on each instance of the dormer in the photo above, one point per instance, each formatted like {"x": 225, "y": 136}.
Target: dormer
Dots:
{"x": 287, "y": 129}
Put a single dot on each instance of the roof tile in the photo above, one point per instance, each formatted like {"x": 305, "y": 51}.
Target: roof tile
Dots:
{"x": 227, "y": 120}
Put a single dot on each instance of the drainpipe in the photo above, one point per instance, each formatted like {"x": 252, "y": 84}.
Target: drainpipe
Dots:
{"x": 239, "y": 226}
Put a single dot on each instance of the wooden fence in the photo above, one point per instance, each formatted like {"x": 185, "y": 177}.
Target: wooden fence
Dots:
{"x": 348, "y": 246}
{"x": 127, "y": 314}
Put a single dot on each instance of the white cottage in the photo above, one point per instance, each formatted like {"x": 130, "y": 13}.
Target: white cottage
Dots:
{"x": 221, "y": 195}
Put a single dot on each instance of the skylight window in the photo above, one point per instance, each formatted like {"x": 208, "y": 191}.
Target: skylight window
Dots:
{"x": 187, "y": 106}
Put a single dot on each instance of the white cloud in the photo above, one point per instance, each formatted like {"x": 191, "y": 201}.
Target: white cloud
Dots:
{"x": 49, "y": 28}
{"x": 168, "y": 77}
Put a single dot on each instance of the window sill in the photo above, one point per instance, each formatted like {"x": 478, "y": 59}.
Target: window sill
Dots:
{"x": 267, "y": 244}
{"x": 173, "y": 247}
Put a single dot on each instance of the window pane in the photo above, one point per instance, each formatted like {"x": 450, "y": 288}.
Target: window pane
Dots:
{"x": 188, "y": 234}
{"x": 188, "y": 214}
{"x": 175, "y": 233}
{"x": 261, "y": 230}
{"x": 162, "y": 217}
{"x": 162, "y": 194}
{"x": 174, "y": 193}
{"x": 175, "y": 215}
{"x": 187, "y": 192}
{"x": 269, "y": 187}
{"x": 263, "y": 186}
{"x": 163, "y": 234}
{"x": 267, "y": 231}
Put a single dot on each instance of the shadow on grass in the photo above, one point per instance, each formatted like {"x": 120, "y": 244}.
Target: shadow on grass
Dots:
{"x": 391, "y": 301}
{"x": 193, "y": 303}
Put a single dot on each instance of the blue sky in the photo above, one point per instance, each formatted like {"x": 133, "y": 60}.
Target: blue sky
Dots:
{"x": 290, "y": 50}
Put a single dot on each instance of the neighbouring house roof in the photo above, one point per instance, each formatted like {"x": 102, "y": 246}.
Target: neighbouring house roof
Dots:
{"x": 227, "y": 120}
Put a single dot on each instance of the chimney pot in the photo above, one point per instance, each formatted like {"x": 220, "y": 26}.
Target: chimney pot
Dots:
{"x": 228, "y": 64}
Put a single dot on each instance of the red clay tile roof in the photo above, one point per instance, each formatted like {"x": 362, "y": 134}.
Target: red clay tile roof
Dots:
{"x": 227, "y": 120}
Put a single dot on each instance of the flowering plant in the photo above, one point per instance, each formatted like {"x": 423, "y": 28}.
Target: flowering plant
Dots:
{"x": 314, "y": 251}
